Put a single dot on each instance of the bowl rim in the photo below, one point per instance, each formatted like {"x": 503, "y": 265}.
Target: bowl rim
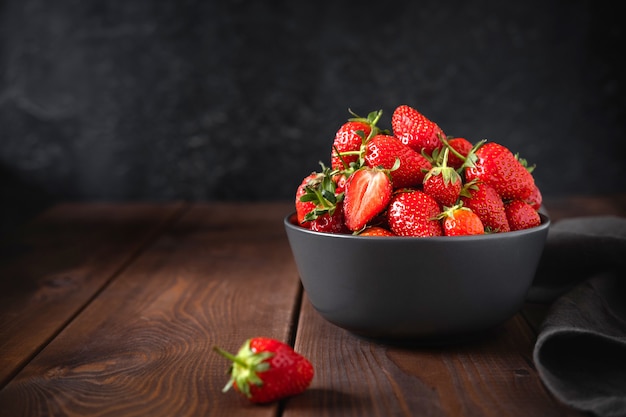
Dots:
{"x": 545, "y": 224}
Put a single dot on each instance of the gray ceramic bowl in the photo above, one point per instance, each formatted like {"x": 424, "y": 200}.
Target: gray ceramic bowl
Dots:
{"x": 430, "y": 290}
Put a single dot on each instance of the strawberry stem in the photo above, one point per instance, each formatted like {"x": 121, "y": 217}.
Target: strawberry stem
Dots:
{"x": 245, "y": 367}
{"x": 454, "y": 151}
{"x": 230, "y": 356}
{"x": 340, "y": 156}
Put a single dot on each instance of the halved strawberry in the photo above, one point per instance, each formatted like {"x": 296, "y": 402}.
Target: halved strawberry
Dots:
{"x": 415, "y": 130}
{"x": 413, "y": 213}
{"x": 367, "y": 193}
{"x": 385, "y": 150}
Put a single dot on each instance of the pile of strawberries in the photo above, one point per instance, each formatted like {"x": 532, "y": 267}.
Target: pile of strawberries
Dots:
{"x": 416, "y": 181}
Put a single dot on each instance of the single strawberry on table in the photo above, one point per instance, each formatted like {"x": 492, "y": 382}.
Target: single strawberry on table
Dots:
{"x": 266, "y": 370}
{"x": 416, "y": 130}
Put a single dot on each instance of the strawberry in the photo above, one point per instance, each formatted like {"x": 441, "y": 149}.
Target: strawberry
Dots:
{"x": 308, "y": 205}
{"x": 496, "y": 165}
{"x": 416, "y": 130}
{"x": 384, "y": 150}
{"x": 329, "y": 223}
{"x": 535, "y": 199}
{"x": 461, "y": 221}
{"x": 521, "y": 215}
{"x": 413, "y": 213}
{"x": 367, "y": 193}
{"x": 376, "y": 231}
{"x": 485, "y": 201}
{"x": 443, "y": 183}
{"x": 340, "y": 182}
{"x": 348, "y": 140}
{"x": 318, "y": 196}
{"x": 459, "y": 147}
{"x": 350, "y": 137}
{"x": 266, "y": 370}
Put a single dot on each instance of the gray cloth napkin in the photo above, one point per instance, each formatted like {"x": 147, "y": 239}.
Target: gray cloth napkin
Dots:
{"x": 580, "y": 352}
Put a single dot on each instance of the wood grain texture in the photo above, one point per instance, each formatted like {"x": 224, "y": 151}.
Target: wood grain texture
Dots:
{"x": 112, "y": 310}
{"x": 492, "y": 376}
{"x": 62, "y": 259}
{"x": 219, "y": 275}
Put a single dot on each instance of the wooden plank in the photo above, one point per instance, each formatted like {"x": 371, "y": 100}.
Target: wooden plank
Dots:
{"x": 493, "y": 376}
{"x": 221, "y": 274}
{"x": 61, "y": 260}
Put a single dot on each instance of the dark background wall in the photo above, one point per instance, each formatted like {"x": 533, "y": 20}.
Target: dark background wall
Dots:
{"x": 238, "y": 100}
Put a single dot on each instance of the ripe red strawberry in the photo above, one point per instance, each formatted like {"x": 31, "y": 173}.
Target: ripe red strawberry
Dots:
{"x": 384, "y": 150}
{"x": 340, "y": 182}
{"x": 485, "y": 201}
{"x": 416, "y": 130}
{"x": 305, "y": 207}
{"x": 521, "y": 215}
{"x": 461, "y": 146}
{"x": 266, "y": 370}
{"x": 443, "y": 183}
{"x": 318, "y": 202}
{"x": 497, "y": 166}
{"x": 368, "y": 191}
{"x": 413, "y": 213}
{"x": 329, "y": 223}
{"x": 350, "y": 137}
{"x": 376, "y": 231}
{"x": 535, "y": 199}
{"x": 461, "y": 221}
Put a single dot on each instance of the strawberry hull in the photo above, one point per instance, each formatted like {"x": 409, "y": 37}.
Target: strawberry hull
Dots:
{"x": 410, "y": 289}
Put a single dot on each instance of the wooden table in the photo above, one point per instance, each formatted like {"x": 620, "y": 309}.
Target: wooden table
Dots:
{"x": 112, "y": 310}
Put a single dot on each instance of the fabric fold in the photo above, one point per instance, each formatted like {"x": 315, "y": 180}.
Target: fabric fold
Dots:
{"x": 580, "y": 352}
